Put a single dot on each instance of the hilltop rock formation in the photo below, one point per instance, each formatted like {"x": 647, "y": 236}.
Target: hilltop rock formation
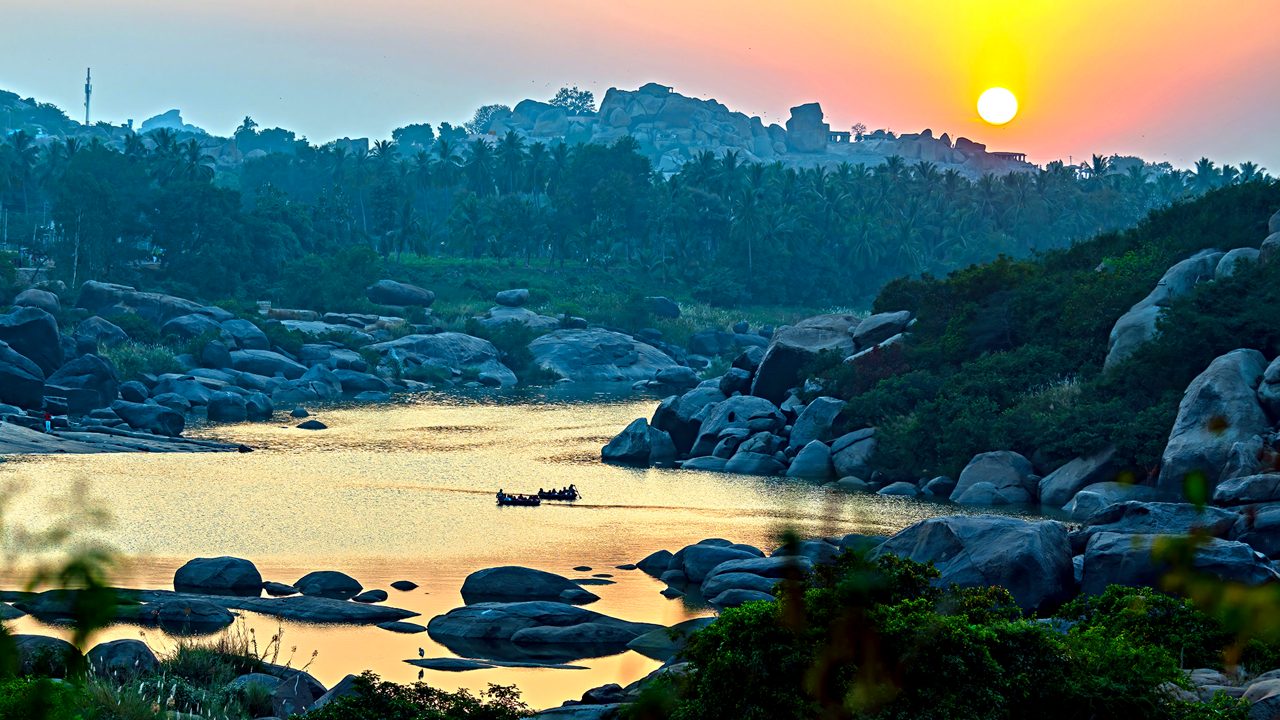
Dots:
{"x": 672, "y": 129}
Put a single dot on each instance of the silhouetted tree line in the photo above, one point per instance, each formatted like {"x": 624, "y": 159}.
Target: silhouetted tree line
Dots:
{"x": 725, "y": 230}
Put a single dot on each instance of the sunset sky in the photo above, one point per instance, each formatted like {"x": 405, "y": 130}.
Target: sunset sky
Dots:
{"x": 1169, "y": 80}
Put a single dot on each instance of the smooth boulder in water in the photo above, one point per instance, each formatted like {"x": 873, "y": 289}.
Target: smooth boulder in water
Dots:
{"x": 224, "y": 575}
{"x": 514, "y": 583}
{"x": 329, "y": 584}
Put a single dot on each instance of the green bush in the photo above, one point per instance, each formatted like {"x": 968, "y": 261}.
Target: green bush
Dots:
{"x": 877, "y": 640}
{"x": 133, "y": 359}
{"x": 1008, "y": 355}
{"x": 375, "y": 699}
{"x": 38, "y": 699}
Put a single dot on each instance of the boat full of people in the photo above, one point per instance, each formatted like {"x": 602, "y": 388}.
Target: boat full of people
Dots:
{"x": 566, "y": 494}
{"x": 510, "y": 500}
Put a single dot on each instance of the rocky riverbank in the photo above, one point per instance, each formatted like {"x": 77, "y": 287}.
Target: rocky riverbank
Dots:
{"x": 94, "y": 378}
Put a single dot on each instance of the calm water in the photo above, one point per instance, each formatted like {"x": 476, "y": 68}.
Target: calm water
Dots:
{"x": 406, "y": 492}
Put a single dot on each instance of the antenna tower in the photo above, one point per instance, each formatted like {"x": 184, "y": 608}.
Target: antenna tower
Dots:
{"x": 88, "y": 90}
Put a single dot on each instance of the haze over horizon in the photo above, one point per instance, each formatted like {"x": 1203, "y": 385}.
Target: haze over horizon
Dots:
{"x": 1132, "y": 79}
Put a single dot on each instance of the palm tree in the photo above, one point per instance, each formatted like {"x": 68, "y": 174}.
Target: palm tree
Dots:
{"x": 510, "y": 157}
{"x": 1205, "y": 176}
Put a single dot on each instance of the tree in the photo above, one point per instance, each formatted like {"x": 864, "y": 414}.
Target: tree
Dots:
{"x": 859, "y": 129}
{"x": 419, "y": 135}
{"x": 479, "y": 123}
{"x": 575, "y": 100}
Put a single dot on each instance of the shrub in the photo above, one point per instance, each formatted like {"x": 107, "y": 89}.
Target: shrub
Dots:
{"x": 38, "y": 699}
{"x": 375, "y": 699}
{"x": 133, "y": 359}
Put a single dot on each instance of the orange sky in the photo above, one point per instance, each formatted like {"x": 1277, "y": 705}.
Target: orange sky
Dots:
{"x": 1169, "y": 80}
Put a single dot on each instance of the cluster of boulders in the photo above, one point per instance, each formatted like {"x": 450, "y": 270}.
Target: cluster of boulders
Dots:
{"x": 236, "y": 372}
{"x": 206, "y": 592}
{"x": 290, "y": 690}
{"x": 672, "y": 129}
{"x": 518, "y": 614}
{"x": 751, "y": 420}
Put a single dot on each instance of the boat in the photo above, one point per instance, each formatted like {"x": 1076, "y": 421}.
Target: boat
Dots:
{"x": 519, "y": 501}
{"x": 568, "y": 495}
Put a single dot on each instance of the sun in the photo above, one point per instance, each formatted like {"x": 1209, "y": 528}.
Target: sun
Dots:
{"x": 997, "y": 106}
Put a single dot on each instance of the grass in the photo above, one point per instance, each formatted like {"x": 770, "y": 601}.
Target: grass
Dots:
{"x": 132, "y": 359}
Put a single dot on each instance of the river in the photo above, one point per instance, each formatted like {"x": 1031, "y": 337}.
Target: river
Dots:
{"x": 406, "y": 492}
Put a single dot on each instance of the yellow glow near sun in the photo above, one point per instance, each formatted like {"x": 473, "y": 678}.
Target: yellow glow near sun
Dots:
{"x": 997, "y": 106}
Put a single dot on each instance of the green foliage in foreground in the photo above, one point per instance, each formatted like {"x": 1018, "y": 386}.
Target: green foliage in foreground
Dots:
{"x": 1008, "y": 355}
{"x": 375, "y": 699}
{"x": 871, "y": 639}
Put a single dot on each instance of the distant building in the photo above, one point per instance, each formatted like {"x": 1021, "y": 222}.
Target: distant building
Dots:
{"x": 1011, "y": 156}
{"x": 839, "y": 136}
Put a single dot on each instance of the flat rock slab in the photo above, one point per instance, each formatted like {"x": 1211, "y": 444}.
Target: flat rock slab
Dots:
{"x": 464, "y": 664}
{"x": 18, "y": 440}
{"x": 301, "y": 608}
{"x": 399, "y": 626}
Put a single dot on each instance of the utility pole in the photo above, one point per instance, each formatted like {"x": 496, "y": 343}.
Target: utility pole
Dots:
{"x": 88, "y": 90}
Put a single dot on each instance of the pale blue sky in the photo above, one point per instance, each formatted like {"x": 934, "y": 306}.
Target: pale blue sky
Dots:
{"x": 1168, "y": 80}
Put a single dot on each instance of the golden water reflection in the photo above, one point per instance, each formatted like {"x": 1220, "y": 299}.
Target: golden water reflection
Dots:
{"x": 405, "y": 492}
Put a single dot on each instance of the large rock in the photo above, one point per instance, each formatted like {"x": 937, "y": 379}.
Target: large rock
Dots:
{"x": 223, "y": 575}
{"x": 512, "y": 583}
{"x": 266, "y": 363}
{"x": 1260, "y": 528}
{"x": 33, "y": 333}
{"x": 880, "y": 327}
{"x": 1031, "y": 559}
{"x": 108, "y": 299}
{"x": 155, "y": 419}
{"x": 795, "y": 346}
{"x": 597, "y": 355}
{"x": 21, "y": 380}
{"x": 91, "y": 374}
{"x": 515, "y": 297}
{"x": 1247, "y": 490}
{"x": 1229, "y": 262}
{"x": 640, "y": 445}
{"x": 122, "y": 659}
{"x": 244, "y": 335}
{"x": 1219, "y": 409}
{"x": 46, "y": 656}
{"x": 754, "y": 463}
{"x": 101, "y": 332}
{"x": 1003, "y": 476}
{"x": 1126, "y": 559}
{"x": 746, "y": 412}
{"x": 500, "y": 315}
{"x": 390, "y": 292}
{"x": 698, "y": 561}
{"x": 191, "y": 326}
{"x": 1058, "y": 487}
{"x": 328, "y": 584}
{"x": 1160, "y": 518}
{"x": 457, "y": 352}
{"x": 813, "y": 461}
{"x": 1093, "y": 498}
{"x": 36, "y": 298}
{"x": 536, "y": 629}
{"x": 227, "y": 407}
{"x": 1269, "y": 390}
{"x": 662, "y": 307}
{"x": 806, "y": 132}
{"x": 681, "y": 415}
{"x": 1138, "y": 325}
{"x": 851, "y": 453}
{"x": 814, "y": 422}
